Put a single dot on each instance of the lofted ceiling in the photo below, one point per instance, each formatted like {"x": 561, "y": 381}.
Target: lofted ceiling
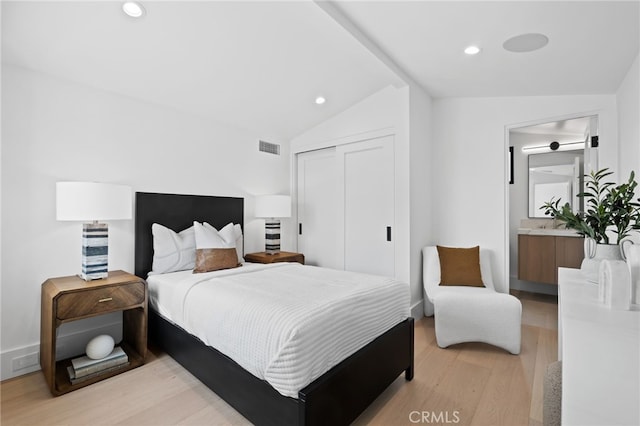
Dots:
{"x": 259, "y": 65}
{"x": 591, "y": 45}
{"x": 254, "y": 65}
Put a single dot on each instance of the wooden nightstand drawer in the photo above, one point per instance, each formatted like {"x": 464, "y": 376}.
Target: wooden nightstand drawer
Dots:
{"x": 99, "y": 300}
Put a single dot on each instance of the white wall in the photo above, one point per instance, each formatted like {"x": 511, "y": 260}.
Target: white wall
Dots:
{"x": 387, "y": 110}
{"x": 56, "y": 130}
{"x": 382, "y": 110}
{"x": 628, "y": 102}
{"x": 469, "y": 163}
{"x": 421, "y": 185}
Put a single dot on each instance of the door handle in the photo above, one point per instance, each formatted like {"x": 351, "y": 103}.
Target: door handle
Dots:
{"x": 388, "y": 233}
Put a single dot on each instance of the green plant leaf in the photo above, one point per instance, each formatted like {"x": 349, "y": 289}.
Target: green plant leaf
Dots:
{"x": 608, "y": 207}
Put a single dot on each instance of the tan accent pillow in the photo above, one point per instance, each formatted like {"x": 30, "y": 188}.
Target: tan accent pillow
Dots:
{"x": 460, "y": 266}
{"x": 214, "y": 259}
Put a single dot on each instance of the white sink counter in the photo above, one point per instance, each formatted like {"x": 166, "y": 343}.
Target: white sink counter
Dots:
{"x": 552, "y": 232}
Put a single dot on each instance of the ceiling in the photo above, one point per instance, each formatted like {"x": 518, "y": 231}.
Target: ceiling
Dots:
{"x": 259, "y": 65}
{"x": 575, "y": 127}
{"x": 591, "y": 46}
{"x": 253, "y": 65}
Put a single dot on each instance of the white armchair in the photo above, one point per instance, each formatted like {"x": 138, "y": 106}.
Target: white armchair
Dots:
{"x": 470, "y": 314}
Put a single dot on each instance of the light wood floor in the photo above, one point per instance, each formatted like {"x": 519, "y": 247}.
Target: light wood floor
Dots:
{"x": 467, "y": 384}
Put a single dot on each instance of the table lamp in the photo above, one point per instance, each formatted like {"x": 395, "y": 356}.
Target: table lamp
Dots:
{"x": 93, "y": 202}
{"x": 272, "y": 207}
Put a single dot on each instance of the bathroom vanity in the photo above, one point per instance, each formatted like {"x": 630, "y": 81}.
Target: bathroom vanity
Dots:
{"x": 542, "y": 251}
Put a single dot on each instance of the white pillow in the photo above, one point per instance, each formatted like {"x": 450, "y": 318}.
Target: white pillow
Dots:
{"x": 239, "y": 242}
{"x": 172, "y": 251}
{"x": 209, "y": 237}
{"x": 231, "y": 232}
{"x": 228, "y": 233}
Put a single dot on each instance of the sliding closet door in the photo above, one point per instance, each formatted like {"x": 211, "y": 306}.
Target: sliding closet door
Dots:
{"x": 318, "y": 209}
{"x": 367, "y": 202}
{"x": 346, "y": 206}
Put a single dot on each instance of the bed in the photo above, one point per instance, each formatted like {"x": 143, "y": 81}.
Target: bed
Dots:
{"x": 336, "y": 397}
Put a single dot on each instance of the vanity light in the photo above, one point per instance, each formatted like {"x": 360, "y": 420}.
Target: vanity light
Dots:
{"x": 472, "y": 50}
{"x": 535, "y": 148}
{"x": 554, "y": 146}
{"x": 320, "y": 100}
{"x": 133, "y": 9}
{"x": 572, "y": 145}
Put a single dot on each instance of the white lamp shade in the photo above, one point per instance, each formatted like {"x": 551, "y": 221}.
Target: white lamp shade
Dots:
{"x": 273, "y": 206}
{"x": 89, "y": 201}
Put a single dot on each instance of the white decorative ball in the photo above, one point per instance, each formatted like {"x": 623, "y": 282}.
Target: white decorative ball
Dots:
{"x": 100, "y": 346}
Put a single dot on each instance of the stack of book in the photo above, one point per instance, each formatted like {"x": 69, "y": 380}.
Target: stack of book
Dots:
{"x": 84, "y": 368}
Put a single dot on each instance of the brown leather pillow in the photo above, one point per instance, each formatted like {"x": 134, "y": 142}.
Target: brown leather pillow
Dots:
{"x": 460, "y": 266}
{"x": 214, "y": 259}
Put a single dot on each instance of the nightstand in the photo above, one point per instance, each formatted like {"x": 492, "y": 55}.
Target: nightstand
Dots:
{"x": 71, "y": 298}
{"x": 283, "y": 256}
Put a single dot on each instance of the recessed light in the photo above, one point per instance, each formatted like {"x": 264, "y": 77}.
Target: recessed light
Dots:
{"x": 472, "y": 50}
{"x": 526, "y": 42}
{"x": 320, "y": 100}
{"x": 133, "y": 9}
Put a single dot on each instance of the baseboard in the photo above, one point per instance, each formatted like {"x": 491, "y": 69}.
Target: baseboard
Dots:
{"x": 8, "y": 359}
{"x": 417, "y": 310}
{"x": 71, "y": 342}
{"x": 532, "y": 287}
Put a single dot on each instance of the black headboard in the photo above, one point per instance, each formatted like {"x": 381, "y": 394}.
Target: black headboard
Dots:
{"x": 178, "y": 212}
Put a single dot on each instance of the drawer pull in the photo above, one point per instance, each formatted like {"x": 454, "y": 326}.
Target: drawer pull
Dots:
{"x": 106, "y": 299}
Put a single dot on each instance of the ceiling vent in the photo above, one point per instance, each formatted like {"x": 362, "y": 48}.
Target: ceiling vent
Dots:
{"x": 270, "y": 148}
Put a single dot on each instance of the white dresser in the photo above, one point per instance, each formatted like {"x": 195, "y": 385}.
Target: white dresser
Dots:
{"x": 600, "y": 352}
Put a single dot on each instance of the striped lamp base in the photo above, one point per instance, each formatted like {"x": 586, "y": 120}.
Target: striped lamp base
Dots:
{"x": 95, "y": 250}
{"x": 272, "y": 236}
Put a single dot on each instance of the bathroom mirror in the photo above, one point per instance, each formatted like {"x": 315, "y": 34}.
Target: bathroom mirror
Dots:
{"x": 557, "y": 175}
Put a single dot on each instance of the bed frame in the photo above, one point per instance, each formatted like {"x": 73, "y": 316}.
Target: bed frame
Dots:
{"x": 335, "y": 398}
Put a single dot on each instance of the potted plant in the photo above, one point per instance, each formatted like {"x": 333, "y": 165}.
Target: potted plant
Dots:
{"x": 609, "y": 209}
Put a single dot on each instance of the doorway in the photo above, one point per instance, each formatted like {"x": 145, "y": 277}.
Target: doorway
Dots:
{"x": 548, "y": 160}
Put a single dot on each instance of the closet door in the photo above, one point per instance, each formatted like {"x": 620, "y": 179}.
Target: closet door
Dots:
{"x": 318, "y": 237}
{"x": 366, "y": 198}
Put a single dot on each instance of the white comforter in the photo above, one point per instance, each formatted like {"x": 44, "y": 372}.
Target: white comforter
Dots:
{"x": 285, "y": 323}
